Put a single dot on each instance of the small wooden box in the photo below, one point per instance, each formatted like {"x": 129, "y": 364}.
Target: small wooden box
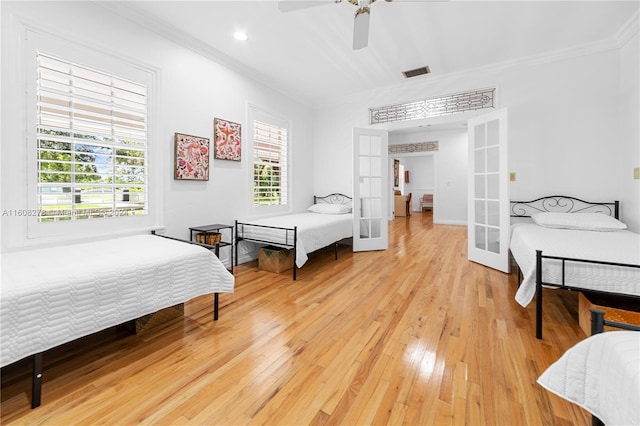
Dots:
{"x": 149, "y": 321}
{"x": 610, "y": 314}
{"x": 275, "y": 259}
{"x": 212, "y": 238}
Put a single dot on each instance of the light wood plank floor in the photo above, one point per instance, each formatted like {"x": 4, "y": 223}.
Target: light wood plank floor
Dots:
{"x": 413, "y": 335}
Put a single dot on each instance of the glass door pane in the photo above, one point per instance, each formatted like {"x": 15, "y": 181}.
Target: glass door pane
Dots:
{"x": 370, "y": 172}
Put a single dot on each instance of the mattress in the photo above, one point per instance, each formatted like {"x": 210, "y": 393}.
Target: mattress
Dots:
{"x": 315, "y": 231}
{"x": 614, "y": 246}
{"x": 52, "y": 296}
{"x": 602, "y": 375}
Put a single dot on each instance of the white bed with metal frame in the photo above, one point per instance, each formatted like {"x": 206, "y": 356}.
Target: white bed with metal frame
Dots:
{"x": 574, "y": 245}
{"x": 52, "y": 296}
{"x": 329, "y": 222}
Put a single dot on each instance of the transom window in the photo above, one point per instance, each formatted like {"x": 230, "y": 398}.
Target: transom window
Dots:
{"x": 91, "y": 143}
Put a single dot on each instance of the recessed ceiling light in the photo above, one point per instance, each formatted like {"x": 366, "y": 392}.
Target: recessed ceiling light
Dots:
{"x": 240, "y": 35}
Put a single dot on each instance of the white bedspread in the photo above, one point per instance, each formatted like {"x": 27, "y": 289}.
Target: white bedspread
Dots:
{"x": 602, "y": 375}
{"x": 315, "y": 231}
{"x": 615, "y": 246}
{"x": 52, "y": 296}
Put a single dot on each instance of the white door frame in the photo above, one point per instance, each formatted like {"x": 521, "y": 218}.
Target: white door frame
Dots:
{"x": 433, "y": 154}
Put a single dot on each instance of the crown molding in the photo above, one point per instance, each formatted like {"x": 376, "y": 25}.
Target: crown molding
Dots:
{"x": 626, "y": 33}
{"x": 127, "y": 10}
{"x": 629, "y": 30}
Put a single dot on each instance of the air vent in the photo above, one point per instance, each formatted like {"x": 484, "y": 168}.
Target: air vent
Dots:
{"x": 416, "y": 72}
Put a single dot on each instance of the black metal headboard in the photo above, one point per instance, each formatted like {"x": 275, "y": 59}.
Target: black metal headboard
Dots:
{"x": 564, "y": 204}
{"x": 334, "y": 198}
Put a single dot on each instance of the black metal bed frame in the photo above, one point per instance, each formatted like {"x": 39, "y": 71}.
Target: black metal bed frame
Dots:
{"x": 216, "y": 251}
{"x": 36, "y": 375}
{"x": 290, "y": 234}
{"x": 597, "y": 326}
{"x": 565, "y": 204}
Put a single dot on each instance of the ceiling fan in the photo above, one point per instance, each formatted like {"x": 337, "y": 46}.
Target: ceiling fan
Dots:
{"x": 361, "y": 20}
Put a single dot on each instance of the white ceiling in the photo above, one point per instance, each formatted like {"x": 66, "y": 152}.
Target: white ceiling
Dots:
{"x": 308, "y": 53}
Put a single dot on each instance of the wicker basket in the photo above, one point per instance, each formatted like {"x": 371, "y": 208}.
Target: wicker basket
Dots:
{"x": 212, "y": 238}
{"x": 610, "y": 314}
{"x": 275, "y": 259}
{"x": 150, "y": 321}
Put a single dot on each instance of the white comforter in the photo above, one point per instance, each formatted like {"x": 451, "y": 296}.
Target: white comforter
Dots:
{"x": 602, "y": 375}
{"x": 615, "y": 246}
{"x": 52, "y": 296}
{"x": 315, "y": 231}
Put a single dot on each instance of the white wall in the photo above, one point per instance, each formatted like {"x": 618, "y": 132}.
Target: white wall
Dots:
{"x": 449, "y": 178}
{"x": 628, "y": 155}
{"x": 421, "y": 177}
{"x": 192, "y": 90}
{"x": 568, "y": 133}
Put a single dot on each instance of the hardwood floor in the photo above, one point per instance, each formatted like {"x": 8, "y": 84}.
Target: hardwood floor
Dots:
{"x": 413, "y": 335}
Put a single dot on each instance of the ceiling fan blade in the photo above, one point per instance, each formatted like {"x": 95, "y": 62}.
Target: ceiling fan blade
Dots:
{"x": 293, "y": 5}
{"x": 361, "y": 28}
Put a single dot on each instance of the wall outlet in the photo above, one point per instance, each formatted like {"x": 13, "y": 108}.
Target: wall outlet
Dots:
{"x": 512, "y": 176}
{"x": 636, "y": 173}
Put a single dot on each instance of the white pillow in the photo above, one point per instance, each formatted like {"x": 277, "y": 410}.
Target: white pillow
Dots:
{"x": 583, "y": 221}
{"x": 324, "y": 208}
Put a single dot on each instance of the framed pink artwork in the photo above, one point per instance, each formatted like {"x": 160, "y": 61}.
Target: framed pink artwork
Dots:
{"x": 228, "y": 140}
{"x": 191, "y": 157}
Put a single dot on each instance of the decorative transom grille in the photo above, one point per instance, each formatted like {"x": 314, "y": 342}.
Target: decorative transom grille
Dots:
{"x": 413, "y": 147}
{"x": 434, "y": 107}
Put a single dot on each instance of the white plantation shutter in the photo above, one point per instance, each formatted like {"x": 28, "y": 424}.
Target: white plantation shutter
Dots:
{"x": 92, "y": 142}
{"x": 270, "y": 179}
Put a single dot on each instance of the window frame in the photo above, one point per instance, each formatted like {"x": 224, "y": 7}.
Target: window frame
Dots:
{"x": 97, "y": 58}
{"x": 256, "y": 113}
{"x": 91, "y": 135}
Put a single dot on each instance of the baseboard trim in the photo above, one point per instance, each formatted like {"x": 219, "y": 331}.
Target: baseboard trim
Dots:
{"x": 450, "y": 222}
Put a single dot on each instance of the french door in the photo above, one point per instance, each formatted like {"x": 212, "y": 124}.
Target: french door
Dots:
{"x": 488, "y": 222}
{"x": 370, "y": 190}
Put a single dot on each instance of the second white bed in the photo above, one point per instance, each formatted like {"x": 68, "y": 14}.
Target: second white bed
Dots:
{"x": 314, "y": 231}
{"x": 615, "y": 246}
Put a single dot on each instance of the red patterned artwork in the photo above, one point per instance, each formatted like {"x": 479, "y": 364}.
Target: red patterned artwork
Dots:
{"x": 192, "y": 157}
{"x": 228, "y": 140}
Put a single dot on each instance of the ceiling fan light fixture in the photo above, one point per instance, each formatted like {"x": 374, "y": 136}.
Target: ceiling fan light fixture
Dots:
{"x": 416, "y": 72}
{"x": 361, "y": 20}
{"x": 361, "y": 28}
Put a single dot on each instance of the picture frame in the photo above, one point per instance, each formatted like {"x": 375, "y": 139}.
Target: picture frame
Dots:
{"x": 191, "y": 157}
{"x": 227, "y": 137}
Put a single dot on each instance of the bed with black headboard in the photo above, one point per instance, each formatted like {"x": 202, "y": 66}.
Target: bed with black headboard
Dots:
{"x": 573, "y": 244}
{"x": 327, "y": 221}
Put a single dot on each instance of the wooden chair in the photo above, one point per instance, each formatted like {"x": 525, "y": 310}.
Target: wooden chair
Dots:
{"x": 409, "y": 205}
{"x": 426, "y": 201}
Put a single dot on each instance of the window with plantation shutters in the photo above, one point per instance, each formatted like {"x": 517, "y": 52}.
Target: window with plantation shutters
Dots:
{"x": 91, "y": 143}
{"x": 269, "y": 164}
